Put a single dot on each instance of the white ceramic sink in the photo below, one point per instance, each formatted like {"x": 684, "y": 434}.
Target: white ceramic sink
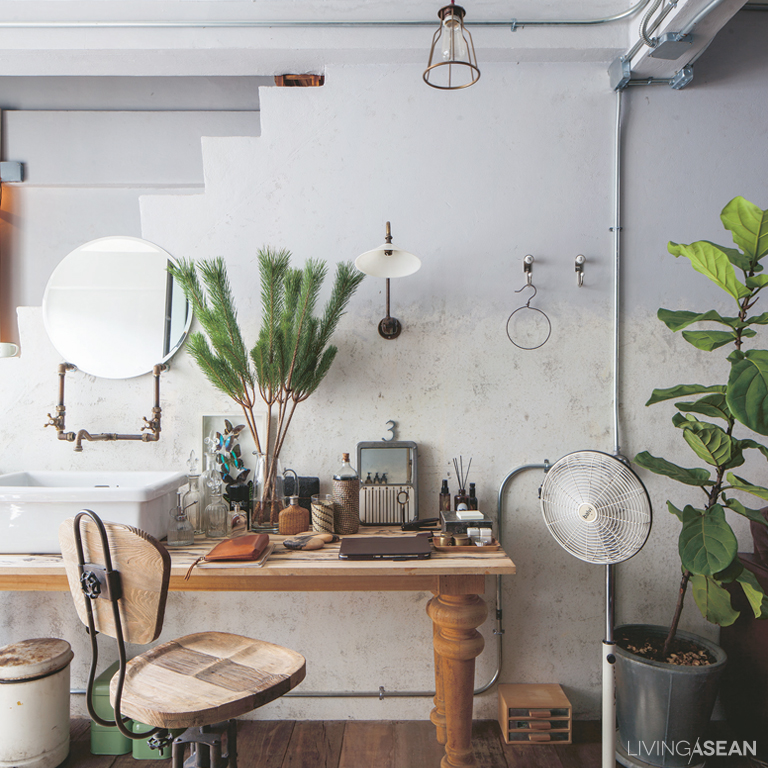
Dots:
{"x": 33, "y": 504}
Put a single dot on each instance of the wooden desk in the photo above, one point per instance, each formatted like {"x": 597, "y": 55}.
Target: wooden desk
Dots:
{"x": 457, "y": 581}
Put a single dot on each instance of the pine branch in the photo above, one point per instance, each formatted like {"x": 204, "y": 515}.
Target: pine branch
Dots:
{"x": 346, "y": 282}
{"x": 291, "y": 355}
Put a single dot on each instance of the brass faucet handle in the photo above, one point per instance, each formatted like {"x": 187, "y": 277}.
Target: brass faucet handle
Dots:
{"x": 153, "y": 424}
{"x": 55, "y": 421}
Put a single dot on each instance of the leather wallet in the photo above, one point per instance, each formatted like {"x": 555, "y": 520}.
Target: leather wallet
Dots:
{"x": 251, "y": 546}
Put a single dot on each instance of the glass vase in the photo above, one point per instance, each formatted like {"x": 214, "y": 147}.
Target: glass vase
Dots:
{"x": 268, "y": 494}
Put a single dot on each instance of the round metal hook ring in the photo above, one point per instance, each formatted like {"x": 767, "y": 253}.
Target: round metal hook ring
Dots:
{"x": 532, "y": 309}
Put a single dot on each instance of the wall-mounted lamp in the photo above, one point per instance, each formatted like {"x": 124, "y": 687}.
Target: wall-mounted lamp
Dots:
{"x": 452, "y": 60}
{"x": 388, "y": 261}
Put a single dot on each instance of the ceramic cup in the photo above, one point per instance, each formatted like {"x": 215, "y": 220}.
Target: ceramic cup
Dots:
{"x": 7, "y": 349}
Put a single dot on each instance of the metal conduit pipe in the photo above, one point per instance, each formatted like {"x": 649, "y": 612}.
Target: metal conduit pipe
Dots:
{"x": 255, "y": 23}
{"x": 665, "y": 11}
{"x": 703, "y": 13}
{"x": 616, "y": 228}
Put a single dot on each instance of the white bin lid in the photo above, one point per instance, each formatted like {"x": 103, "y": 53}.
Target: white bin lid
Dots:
{"x": 33, "y": 658}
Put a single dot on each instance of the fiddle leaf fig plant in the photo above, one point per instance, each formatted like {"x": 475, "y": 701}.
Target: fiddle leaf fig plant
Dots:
{"x": 710, "y": 418}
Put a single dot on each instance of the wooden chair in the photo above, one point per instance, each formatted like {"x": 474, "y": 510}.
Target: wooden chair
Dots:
{"x": 118, "y": 577}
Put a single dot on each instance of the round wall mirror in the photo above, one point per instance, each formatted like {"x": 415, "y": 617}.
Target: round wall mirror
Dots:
{"x": 112, "y": 309}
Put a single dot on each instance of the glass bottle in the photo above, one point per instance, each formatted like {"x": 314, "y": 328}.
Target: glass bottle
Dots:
{"x": 472, "y": 498}
{"x": 192, "y": 499}
{"x": 210, "y": 473}
{"x": 192, "y": 504}
{"x": 346, "y": 497}
{"x": 180, "y": 531}
{"x": 216, "y": 513}
{"x": 237, "y": 520}
{"x": 293, "y": 519}
{"x": 461, "y": 498}
{"x": 445, "y": 498}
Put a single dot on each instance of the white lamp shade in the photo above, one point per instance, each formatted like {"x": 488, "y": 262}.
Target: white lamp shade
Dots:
{"x": 388, "y": 261}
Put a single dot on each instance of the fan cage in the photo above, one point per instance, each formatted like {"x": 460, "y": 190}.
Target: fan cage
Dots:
{"x": 596, "y": 507}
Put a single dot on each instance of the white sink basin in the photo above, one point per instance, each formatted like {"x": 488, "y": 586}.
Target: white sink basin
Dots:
{"x": 33, "y": 504}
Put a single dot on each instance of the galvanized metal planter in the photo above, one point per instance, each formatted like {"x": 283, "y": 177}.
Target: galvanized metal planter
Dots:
{"x": 663, "y": 709}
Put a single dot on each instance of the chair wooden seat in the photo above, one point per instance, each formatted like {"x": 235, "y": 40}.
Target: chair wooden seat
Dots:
{"x": 206, "y": 677}
{"x": 194, "y": 682}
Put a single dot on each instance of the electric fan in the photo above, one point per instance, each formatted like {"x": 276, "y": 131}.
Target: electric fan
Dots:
{"x": 597, "y": 509}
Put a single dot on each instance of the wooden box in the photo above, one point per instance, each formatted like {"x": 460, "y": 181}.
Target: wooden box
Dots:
{"x": 535, "y": 714}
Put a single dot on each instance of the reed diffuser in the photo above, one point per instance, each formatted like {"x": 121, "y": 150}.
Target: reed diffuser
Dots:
{"x": 461, "y": 477}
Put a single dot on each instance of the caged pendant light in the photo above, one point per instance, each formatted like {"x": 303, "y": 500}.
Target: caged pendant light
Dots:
{"x": 452, "y": 60}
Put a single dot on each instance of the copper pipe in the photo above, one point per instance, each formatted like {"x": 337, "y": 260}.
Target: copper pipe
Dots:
{"x": 152, "y": 425}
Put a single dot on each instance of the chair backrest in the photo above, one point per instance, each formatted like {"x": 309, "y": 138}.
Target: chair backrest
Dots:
{"x": 144, "y": 566}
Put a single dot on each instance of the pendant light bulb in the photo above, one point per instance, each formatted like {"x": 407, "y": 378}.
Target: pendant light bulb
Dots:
{"x": 454, "y": 46}
{"x": 452, "y": 60}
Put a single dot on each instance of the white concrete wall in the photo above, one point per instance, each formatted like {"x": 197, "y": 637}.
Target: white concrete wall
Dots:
{"x": 471, "y": 181}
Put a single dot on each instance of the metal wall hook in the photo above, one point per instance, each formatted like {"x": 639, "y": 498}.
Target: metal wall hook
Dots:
{"x": 580, "y": 261}
{"x": 528, "y": 269}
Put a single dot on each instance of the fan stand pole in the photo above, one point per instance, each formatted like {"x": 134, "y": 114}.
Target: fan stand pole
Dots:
{"x": 609, "y": 683}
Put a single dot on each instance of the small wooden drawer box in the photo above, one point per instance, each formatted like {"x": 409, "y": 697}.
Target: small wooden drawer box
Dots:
{"x": 534, "y": 714}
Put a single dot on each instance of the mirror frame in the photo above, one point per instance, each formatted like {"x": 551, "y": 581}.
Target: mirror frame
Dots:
{"x": 72, "y": 320}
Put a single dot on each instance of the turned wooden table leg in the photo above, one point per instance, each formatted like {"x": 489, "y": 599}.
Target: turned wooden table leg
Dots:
{"x": 437, "y": 716}
{"x": 457, "y": 644}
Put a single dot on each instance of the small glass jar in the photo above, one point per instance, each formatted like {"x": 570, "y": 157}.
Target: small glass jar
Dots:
{"x": 216, "y": 513}
{"x": 180, "y": 531}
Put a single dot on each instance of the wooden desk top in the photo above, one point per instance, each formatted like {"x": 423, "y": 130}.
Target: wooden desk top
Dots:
{"x": 289, "y": 571}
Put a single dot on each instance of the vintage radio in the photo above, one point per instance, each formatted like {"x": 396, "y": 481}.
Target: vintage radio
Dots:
{"x": 388, "y": 482}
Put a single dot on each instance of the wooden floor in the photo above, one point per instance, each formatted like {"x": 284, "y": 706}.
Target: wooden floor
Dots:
{"x": 373, "y": 744}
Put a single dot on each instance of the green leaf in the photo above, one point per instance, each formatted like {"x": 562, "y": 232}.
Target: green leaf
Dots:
{"x": 737, "y": 258}
{"x": 676, "y": 320}
{"x": 713, "y": 406}
{"x": 681, "y": 421}
{"x": 757, "y": 281}
{"x": 696, "y": 476}
{"x": 713, "y": 600}
{"x": 755, "y": 515}
{"x": 742, "y": 485}
{"x": 678, "y": 513}
{"x": 731, "y": 573}
{"x": 707, "y": 544}
{"x": 710, "y": 443}
{"x": 711, "y": 262}
{"x": 683, "y": 390}
{"x": 709, "y": 340}
{"x": 747, "y": 394}
{"x": 752, "y": 444}
{"x": 748, "y": 225}
{"x": 758, "y": 319}
{"x": 758, "y": 600}
{"x": 735, "y": 356}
